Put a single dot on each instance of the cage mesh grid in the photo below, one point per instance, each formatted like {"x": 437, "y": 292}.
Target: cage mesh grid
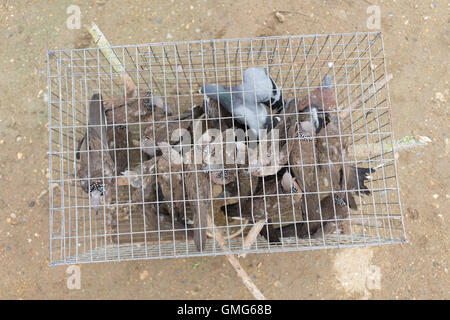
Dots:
{"x": 176, "y": 71}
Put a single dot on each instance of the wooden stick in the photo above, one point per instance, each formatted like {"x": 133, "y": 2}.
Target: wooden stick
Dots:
{"x": 344, "y": 113}
{"x": 252, "y": 235}
{"x": 103, "y": 43}
{"x": 236, "y": 265}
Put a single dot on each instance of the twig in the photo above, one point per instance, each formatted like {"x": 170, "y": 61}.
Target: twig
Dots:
{"x": 233, "y": 235}
{"x": 252, "y": 236}
{"x": 103, "y": 43}
{"x": 236, "y": 265}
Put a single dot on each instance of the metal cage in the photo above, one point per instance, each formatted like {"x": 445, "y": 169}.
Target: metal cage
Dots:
{"x": 176, "y": 71}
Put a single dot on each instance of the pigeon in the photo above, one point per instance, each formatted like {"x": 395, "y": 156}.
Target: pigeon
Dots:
{"x": 170, "y": 182}
{"x": 318, "y": 118}
{"x": 316, "y": 104}
{"x": 164, "y": 131}
{"x": 162, "y": 223}
{"x": 151, "y": 181}
{"x": 198, "y": 189}
{"x": 275, "y": 198}
{"x": 334, "y": 178}
{"x": 96, "y": 169}
{"x": 245, "y": 102}
{"x": 357, "y": 176}
{"x": 323, "y": 97}
{"x": 119, "y": 141}
{"x": 195, "y": 192}
{"x": 265, "y": 89}
{"x": 244, "y": 184}
{"x": 124, "y": 114}
{"x": 141, "y": 107}
{"x": 319, "y": 224}
{"x": 219, "y": 118}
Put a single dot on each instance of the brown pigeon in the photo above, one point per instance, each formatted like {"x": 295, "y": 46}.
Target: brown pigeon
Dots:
{"x": 96, "y": 169}
{"x": 324, "y": 97}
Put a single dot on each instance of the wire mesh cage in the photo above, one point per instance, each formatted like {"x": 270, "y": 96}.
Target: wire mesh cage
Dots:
{"x": 146, "y": 161}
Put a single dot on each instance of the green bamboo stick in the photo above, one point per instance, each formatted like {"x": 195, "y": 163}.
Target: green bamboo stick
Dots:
{"x": 407, "y": 142}
{"x": 110, "y": 55}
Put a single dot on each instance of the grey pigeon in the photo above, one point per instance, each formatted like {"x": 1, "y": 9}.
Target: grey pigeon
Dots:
{"x": 246, "y": 101}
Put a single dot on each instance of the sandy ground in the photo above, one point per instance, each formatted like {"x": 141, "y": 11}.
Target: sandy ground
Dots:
{"x": 417, "y": 48}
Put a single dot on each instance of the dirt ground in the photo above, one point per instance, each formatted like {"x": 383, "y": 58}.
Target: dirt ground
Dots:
{"x": 416, "y": 38}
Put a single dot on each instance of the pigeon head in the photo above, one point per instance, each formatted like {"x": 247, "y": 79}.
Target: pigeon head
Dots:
{"x": 151, "y": 101}
{"x": 318, "y": 117}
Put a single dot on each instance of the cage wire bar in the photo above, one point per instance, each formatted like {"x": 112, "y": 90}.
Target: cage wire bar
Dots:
{"x": 176, "y": 71}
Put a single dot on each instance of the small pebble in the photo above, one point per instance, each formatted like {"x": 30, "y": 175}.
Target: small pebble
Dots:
{"x": 143, "y": 275}
{"x": 435, "y": 196}
{"x": 197, "y": 30}
{"x": 31, "y": 204}
{"x": 168, "y": 36}
{"x": 13, "y": 216}
{"x": 280, "y": 17}
{"x": 440, "y": 97}
{"x": 158, "y": 20}
{"x": 20, "y": 155}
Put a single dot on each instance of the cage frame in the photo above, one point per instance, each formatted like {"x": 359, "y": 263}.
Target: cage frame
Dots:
{"x": 121, "y": 252}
